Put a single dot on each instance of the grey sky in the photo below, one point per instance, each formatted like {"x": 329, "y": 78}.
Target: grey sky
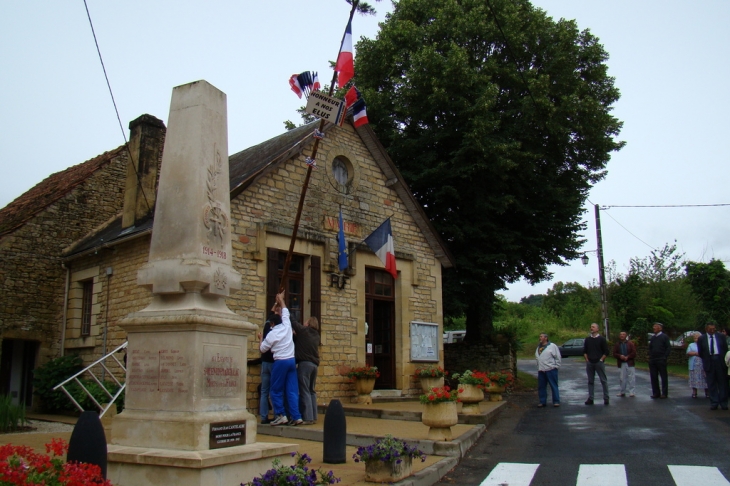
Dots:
{"x": 669, "y": 58}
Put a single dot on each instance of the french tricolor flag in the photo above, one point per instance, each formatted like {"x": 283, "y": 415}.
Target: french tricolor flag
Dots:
{"x": 381, "y": 242}
{"x": 345, "y": 66}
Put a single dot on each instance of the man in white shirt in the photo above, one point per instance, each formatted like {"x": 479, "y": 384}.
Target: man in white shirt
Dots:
{"x": 284, "y": 372}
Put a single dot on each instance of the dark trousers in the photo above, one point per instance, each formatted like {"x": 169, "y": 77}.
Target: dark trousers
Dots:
{"x": 658, "y": 368}
{"x": 545, "y": 378}
{"x": 717, "y": 381}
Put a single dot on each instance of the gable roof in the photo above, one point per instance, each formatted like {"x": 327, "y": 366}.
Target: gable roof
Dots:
{"x": 50, "y": 190}
{"x": 247, "y": 166}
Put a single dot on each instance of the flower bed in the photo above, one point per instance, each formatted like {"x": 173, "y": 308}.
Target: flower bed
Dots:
{"x": 297, "y": 475}
{"x": 439, "y": 394}
{"x": 363, "y": 372}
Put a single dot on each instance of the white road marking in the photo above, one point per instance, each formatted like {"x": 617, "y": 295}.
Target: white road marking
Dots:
{"x": 692, "y": 475}
{"x": 601, "y": 475}
{"x": 511, "y": 474}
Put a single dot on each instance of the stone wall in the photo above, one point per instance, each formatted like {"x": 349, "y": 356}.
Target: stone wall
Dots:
{"x": 677, "y": 356}
{"x": 496, "y": 356}
{"x": 32, "y": 278}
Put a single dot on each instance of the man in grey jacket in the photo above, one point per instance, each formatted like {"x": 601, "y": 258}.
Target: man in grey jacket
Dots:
{"x": 548, "y": 362}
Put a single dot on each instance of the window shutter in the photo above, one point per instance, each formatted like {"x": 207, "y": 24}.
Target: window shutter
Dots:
{"x": 272, "y": 277}
{"x": 316, "y": 303}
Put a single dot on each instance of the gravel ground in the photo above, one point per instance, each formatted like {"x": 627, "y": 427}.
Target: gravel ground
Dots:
{"x": 43, "y": 427}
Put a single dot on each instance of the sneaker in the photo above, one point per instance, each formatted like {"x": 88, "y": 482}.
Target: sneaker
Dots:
{"x": 621, "y": 395}
{"x": 589, "y": 401}
{"x": 605, "y": 402}
{"x": 296, "y": 422}
{"x": 280, "y": 420}
{"x": 556, "y": 404}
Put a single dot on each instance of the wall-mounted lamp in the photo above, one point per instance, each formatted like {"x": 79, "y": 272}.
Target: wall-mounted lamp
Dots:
{"x": 584, "y": 259}
{"x": 338, "y": 281}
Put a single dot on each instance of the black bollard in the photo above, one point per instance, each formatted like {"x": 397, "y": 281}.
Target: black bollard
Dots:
{"x": 335, "y": 434}
{"x": 88, "y": 442}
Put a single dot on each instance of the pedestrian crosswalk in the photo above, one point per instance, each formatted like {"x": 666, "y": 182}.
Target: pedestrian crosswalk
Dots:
{"x": 517, "y": 474}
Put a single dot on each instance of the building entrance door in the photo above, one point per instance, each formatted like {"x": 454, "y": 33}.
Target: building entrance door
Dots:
{"x": 380, "y": 317}
{"x": 16, "y": 370}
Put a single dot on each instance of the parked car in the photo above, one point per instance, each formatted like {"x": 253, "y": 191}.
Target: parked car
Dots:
{"x": 572, "y": 347}
{"x": 683, "y": 339}
{"x": 454, "y": 336}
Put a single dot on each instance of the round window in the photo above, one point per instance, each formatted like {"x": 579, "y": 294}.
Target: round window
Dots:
{"x": 339, "y": 171}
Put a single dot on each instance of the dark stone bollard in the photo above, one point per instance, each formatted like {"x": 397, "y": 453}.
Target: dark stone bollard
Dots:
{"x": 88, "y": 442}
{"x": 335, "y": 434}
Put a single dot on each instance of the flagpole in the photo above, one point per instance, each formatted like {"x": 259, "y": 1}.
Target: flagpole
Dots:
{"x": 289, "y": 254}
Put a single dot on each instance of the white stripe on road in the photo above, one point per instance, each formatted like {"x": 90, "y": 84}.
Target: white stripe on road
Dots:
{"x": 511, "y": 474}
{"x": 601, "y": 475}
{"x": 692, "y": 475}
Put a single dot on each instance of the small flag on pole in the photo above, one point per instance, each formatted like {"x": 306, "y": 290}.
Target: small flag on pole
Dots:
{"x": 304, "y": 83}
{"x": 345, "y": 66}
{"x": 341, "y": 249}
{"x": 352, "y": 95}
{"x": 359, "y": 114}
{"x": 381, "y": 242}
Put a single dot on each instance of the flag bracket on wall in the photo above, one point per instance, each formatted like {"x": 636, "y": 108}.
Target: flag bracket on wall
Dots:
{"x": 338, "y": 280}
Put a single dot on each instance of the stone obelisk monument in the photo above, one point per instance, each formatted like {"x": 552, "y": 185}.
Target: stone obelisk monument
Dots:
{"x": 185, "y": 420}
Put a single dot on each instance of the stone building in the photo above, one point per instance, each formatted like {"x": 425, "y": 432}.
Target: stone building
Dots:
{"x": 71, "y": 247}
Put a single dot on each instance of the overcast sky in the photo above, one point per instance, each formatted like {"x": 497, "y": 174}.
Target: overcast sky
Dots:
{"x": 670, "y": 60}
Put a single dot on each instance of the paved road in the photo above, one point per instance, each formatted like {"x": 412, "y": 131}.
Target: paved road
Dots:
{"x": 644, "y": 440}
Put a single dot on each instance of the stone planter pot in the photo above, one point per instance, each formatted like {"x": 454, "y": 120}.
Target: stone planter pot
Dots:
{"x": 495, "y": 392}
{"x": 377, "y": 471}
{"x": 364, "y": 386}
{"x": 430, "y": 382}
{"x": 470, "y": 396}
{"x": 440, "y": 417}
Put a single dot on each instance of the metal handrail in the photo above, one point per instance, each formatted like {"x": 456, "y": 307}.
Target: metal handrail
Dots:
{"x": 100, "y": 362}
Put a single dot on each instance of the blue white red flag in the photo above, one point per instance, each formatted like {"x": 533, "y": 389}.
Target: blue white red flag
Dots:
{"x": 352, "y": 95}
{"x": 359, "y": 114}
{"x": 345, "y": 66}
{"x": 381, "y": 242}
{"x": 341, "y": 249}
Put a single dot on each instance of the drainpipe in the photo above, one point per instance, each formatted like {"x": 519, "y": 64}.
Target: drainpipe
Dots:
{"x": 65, "y": 306}
{"x": 109, "y": 272}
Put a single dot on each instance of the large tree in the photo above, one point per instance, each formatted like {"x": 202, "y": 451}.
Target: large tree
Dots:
{"x": 499, "y": 119}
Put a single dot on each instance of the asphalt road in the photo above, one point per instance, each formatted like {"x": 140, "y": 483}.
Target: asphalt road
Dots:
{"x": 644, "y": 438}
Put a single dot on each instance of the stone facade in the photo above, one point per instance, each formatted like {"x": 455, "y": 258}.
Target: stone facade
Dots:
{"x": 463, "y": 356}
{"x": 261, "y": 222}
{"x": 34, "y": 230}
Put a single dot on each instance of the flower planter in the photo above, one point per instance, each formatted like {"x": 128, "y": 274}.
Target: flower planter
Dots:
{"x": 495, "y": 392}
{"x": 377, "y": 471}
{"x": 470, "y": 396}
{"x": 440, "y": 417}
{"x": 364, "y": 386}
{"x": 428, "y": 382}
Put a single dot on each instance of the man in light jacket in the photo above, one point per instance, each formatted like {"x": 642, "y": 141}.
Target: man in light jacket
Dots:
{"x": 548, "y": 362}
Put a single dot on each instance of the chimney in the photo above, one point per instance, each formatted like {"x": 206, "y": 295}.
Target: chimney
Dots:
{"x": 146, "y": 138}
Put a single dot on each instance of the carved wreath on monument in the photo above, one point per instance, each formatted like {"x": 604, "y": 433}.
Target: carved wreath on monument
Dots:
{"x": 214, "y": 217}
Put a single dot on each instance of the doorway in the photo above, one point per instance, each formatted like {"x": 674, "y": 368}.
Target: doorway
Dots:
{"x": 16, "y": 370}
{"x": 380, "y": 317}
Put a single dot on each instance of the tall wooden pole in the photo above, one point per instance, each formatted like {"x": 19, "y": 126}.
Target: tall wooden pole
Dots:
{"x": 282, "y": 284}
{"x": 602, "y": 274}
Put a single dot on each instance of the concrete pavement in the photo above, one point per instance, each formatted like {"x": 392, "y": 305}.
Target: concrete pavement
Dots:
{"x": 365, "y": 423}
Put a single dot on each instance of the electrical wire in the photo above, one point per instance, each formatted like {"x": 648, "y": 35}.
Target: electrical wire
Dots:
{"x": 668, "y": 206}
{"x": 116, "y": 110}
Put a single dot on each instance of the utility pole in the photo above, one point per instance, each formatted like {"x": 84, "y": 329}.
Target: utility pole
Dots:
{"x": 602, "y": 274}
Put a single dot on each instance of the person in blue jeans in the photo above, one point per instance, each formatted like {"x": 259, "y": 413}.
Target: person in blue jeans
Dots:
{"x": 548, "y": 363}
{"x": 284, "y": 370}
{"x": 267, "y": 362}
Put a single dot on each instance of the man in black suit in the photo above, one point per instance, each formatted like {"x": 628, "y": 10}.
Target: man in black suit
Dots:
{"x": 712, "y": 349}
{"x": 659, "y": 349}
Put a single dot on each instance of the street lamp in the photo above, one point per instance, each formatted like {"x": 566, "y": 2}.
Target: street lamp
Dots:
{"x": 584, "y": 259}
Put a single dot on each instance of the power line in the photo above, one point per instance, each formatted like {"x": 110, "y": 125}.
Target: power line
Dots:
{"x": 629, "y": 232}
{"x": 666, "y": 206}
{"x": 121, "y": 127}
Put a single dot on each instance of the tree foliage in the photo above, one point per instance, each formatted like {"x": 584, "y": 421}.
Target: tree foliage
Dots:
{"x": 710, "y": 282}
{"x": 499, "y": 119}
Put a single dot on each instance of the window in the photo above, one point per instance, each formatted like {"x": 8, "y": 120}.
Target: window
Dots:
{"x": 86, "y": 299}
{"x": 294, "y": 286}
{"x": 339, "y": 171}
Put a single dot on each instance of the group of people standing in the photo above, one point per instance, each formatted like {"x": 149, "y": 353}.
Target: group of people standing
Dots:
{"x": 289, "y": 364}
{"x": 709, "y": 365}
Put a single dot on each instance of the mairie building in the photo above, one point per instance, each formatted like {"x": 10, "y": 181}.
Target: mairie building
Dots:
{"x": 71, "y": 246}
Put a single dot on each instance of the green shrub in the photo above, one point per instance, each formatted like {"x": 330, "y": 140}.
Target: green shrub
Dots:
{"x": 51, "y": 374}
{"x": 11, "y": 416}
{"x": 98, "y": 394}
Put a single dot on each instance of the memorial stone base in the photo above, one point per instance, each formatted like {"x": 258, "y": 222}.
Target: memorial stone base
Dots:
{"x": 185, "y": 420}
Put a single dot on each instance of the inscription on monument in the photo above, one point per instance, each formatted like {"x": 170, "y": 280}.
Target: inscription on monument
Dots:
{"x": 227, "y": 434}
{"x": 161, "y": 371}
{"x": 221, "y": 370}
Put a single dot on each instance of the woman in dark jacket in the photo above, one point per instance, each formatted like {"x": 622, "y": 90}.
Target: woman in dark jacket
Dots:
{"x": 306, "y": 352}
